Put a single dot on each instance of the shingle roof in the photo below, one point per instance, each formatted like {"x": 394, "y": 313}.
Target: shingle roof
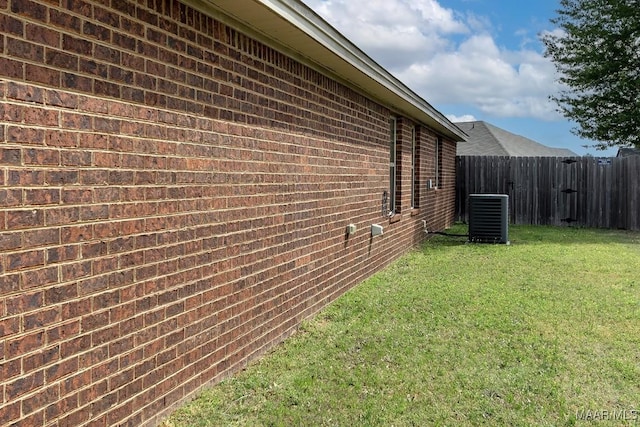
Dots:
{"x": 488, "y": 140}
{"x": 628, "y": 151}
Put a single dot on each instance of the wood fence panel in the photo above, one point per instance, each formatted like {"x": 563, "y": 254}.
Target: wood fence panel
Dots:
{"x": 633, "y": 194}
{"x": 582, "y": 191}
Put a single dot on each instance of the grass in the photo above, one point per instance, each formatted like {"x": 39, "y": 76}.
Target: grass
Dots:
{"x": 545, "y": 331}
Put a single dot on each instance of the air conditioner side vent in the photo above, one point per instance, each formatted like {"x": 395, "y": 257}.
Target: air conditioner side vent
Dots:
{"x": 489, "y": 218}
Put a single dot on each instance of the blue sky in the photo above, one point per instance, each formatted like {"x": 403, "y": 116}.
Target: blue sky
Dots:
{"x": 471, "y": 59}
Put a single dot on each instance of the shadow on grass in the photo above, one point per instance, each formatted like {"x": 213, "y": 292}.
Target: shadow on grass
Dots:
{"x": 538, "y": 234}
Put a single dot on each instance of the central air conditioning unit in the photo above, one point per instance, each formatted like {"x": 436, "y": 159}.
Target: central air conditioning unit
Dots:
{"x": 489, "y": 218}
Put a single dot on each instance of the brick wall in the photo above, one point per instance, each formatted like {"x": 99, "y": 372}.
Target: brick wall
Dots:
{"x": 173, "y": 202}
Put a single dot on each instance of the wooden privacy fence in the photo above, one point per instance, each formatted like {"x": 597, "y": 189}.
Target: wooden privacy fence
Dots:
{"x": 582, "y": 191}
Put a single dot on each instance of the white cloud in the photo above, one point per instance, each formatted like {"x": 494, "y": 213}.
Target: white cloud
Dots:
{"x": 463, "y": 118}
{"x": 352, "y": 15}
{"x": 558, "y": 32}
{"x": 446, "y": 57}
{"x": 393, "y": 32}
{"x": 498, "y": 82}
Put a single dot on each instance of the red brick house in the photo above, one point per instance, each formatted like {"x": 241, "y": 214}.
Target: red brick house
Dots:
{"x": 176, "y": 185}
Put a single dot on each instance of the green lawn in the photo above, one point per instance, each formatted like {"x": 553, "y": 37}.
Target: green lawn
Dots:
{"x": 545, "y": 331}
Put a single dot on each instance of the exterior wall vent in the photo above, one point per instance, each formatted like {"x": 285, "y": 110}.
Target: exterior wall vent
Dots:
{"x": 489, "y": 218}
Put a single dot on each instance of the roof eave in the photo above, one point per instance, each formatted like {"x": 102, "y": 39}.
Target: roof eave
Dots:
{"x": 303, "y": 34}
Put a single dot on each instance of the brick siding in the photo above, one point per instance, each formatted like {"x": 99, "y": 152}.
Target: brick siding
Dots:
{"x": 173, "y": 202}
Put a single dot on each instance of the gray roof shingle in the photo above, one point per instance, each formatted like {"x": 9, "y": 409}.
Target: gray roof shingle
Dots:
{"x": 628, "y": 151}
{"x": 488, "y": 140}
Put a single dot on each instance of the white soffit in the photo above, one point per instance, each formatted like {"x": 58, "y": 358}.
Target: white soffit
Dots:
{"x": 303, "y": 34}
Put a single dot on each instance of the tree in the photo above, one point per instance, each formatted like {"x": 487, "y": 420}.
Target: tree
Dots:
{"x": 597, "y": 54}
